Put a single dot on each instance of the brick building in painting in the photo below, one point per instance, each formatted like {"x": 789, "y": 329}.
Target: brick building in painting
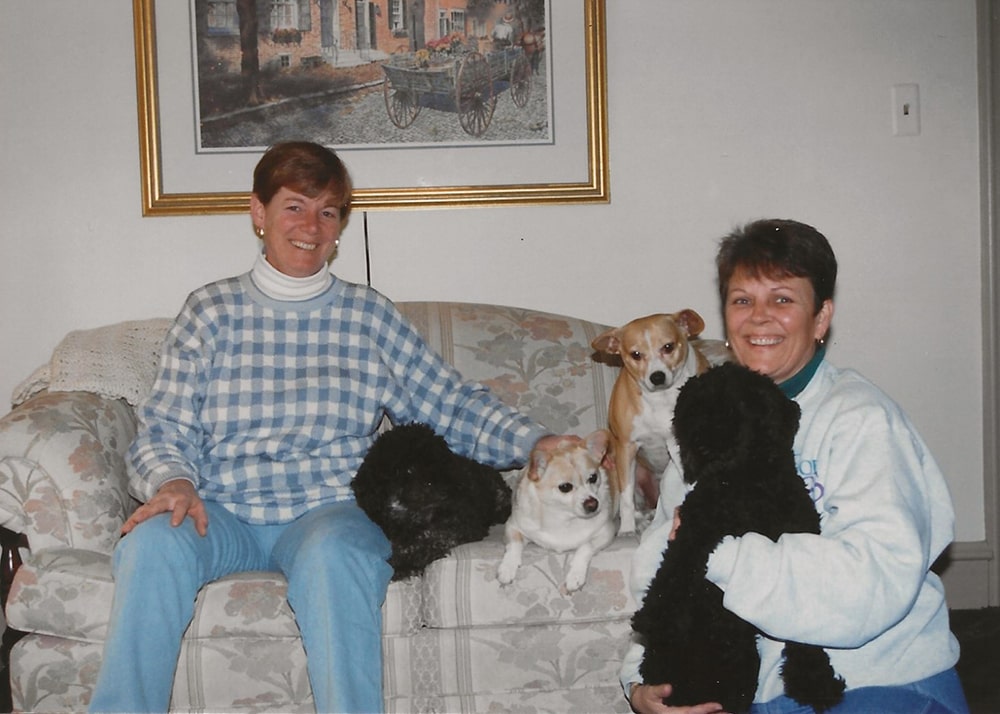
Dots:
{"x": 295, "y": 33}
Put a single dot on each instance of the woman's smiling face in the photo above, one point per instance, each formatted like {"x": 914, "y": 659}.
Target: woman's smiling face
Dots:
{"x": 300, "y": 233}
{"x": 772, "y": 324}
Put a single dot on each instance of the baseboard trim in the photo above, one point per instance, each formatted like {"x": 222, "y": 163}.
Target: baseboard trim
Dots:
{"x": 967, "y": 570}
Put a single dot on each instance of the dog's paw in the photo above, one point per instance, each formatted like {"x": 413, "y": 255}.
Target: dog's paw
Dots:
{"x": 579, "y": 564}
{"x": 626, "y": 517}
{"x": 507, "y": 571}
{"x": 575, "y": 580}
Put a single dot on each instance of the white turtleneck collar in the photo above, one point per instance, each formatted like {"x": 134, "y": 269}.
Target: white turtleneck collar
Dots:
{"x": 279, "y": 286}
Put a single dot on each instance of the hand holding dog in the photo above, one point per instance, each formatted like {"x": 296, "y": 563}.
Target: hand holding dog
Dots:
{"x": 676, "y": 525}
{"x": 649, "y": 698}
{"x": 178, "y": 497}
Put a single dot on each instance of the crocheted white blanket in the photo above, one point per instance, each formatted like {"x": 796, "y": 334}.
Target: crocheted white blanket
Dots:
{"x": 118, "y": 361}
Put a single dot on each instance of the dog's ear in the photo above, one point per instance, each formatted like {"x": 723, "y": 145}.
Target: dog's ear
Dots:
{"x": 539, "y": 460}
{"x": 609, "y": 342}
{"x": 691, "y": 322}
{"x": 599, "y": 446}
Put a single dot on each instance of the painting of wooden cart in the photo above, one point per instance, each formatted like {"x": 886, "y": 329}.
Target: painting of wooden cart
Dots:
{"x": 466, "y": 83}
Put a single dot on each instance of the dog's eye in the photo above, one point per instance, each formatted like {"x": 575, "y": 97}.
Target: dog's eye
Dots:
{"x": 636, "y": 355}
{"x": 566, "y": 487}
{"x": 668, "y": 348}
{"x": 593, "y": 478}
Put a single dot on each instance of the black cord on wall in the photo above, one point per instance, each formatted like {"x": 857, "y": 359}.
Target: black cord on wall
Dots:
{"x": 368, "y": 255}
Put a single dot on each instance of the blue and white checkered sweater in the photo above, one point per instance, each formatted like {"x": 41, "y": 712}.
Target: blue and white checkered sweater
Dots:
{"x": 269, "y": 406}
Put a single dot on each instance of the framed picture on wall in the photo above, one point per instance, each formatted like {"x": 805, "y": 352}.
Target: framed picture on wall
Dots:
{"x": 430, "y": 103}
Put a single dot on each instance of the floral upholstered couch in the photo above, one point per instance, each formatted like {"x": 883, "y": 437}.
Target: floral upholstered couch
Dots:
{"x": 454, "y": 640}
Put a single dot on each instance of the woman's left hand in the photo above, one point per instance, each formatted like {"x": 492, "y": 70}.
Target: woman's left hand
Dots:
{"x": 179, "y": 498}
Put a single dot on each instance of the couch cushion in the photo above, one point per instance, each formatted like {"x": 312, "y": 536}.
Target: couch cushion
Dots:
{"x": 532, "y": 669}
{"x": 52, "y": 674}
{"x": 516, "y": 662}
{"x": 538, "y": 362}
{"x": 607, "y": 699}
{"x": 463, "y": 591}
{"x": 64, "y": 593}
{"x": 67, "y": 593}
{"x": 242, "y": 674}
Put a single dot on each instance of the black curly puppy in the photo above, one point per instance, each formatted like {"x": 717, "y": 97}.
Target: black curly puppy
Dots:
{"x": 426, "y": 498}
{"x": 735, "y": 430}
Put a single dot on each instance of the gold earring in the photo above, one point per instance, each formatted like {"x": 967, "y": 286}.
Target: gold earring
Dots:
{"x": 259, "y": 231}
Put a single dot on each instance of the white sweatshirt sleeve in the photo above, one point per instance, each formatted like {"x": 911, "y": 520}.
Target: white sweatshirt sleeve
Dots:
{"x": 885, "y": 513}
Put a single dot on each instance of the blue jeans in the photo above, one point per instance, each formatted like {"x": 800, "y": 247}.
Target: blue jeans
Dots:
{"x": 940, "y": 694}
{"x": 335, "y": 561}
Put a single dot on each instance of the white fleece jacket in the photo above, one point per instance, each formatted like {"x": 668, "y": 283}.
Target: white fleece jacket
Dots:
{"x": 863, "y": 587}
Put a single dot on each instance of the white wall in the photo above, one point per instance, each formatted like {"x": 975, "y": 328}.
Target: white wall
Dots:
{"x": 720, "y": 111}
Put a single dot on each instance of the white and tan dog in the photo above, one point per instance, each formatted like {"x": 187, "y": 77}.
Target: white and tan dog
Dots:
{"x": 562, "y": 501}
{"x": 657, "y": 358}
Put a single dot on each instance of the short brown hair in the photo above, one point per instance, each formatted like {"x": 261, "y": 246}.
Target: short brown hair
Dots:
{"x": 306, "y": 168}
{"x": 779, "y": 248}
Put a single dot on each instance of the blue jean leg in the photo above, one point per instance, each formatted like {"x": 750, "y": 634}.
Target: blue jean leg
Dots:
{"x": 158, "y": 570}
{"x": 336, "y": 563}
{"x": 939, "y": 694}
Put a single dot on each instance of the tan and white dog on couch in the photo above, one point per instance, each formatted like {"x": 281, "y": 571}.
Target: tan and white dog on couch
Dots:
{"x": 563, "y": 502}
{"x": 657, "y": 356}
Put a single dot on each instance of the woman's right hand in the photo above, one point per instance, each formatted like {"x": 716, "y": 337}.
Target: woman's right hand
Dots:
{"x": 648, "y": 699}
{"x": 178, "y": 497}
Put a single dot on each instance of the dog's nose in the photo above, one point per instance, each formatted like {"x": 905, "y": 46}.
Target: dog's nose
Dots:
{"x": 591, "y": 504}
{"x": 658, "y": 378}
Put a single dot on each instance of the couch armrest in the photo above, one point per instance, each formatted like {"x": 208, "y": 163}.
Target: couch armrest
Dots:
{"x": 62, "y": 470}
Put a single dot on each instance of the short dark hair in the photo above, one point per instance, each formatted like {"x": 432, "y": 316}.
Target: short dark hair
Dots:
{"x": 306, "y": 168}
{"x": 779, "y": 248}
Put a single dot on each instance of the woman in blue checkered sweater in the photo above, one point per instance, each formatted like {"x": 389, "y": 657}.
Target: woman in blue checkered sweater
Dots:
{"x": 270, "y": 390}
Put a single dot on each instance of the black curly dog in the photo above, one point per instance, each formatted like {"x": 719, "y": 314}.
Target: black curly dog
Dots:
{"x": 735, "y": 430}
{"x": 426, "y": 498}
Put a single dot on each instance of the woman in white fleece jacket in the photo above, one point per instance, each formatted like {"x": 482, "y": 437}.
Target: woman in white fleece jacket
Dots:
{"x": 863, "y": 588}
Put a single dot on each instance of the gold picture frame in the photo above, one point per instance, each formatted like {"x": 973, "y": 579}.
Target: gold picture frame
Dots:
{"x": 158, "y": 200}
